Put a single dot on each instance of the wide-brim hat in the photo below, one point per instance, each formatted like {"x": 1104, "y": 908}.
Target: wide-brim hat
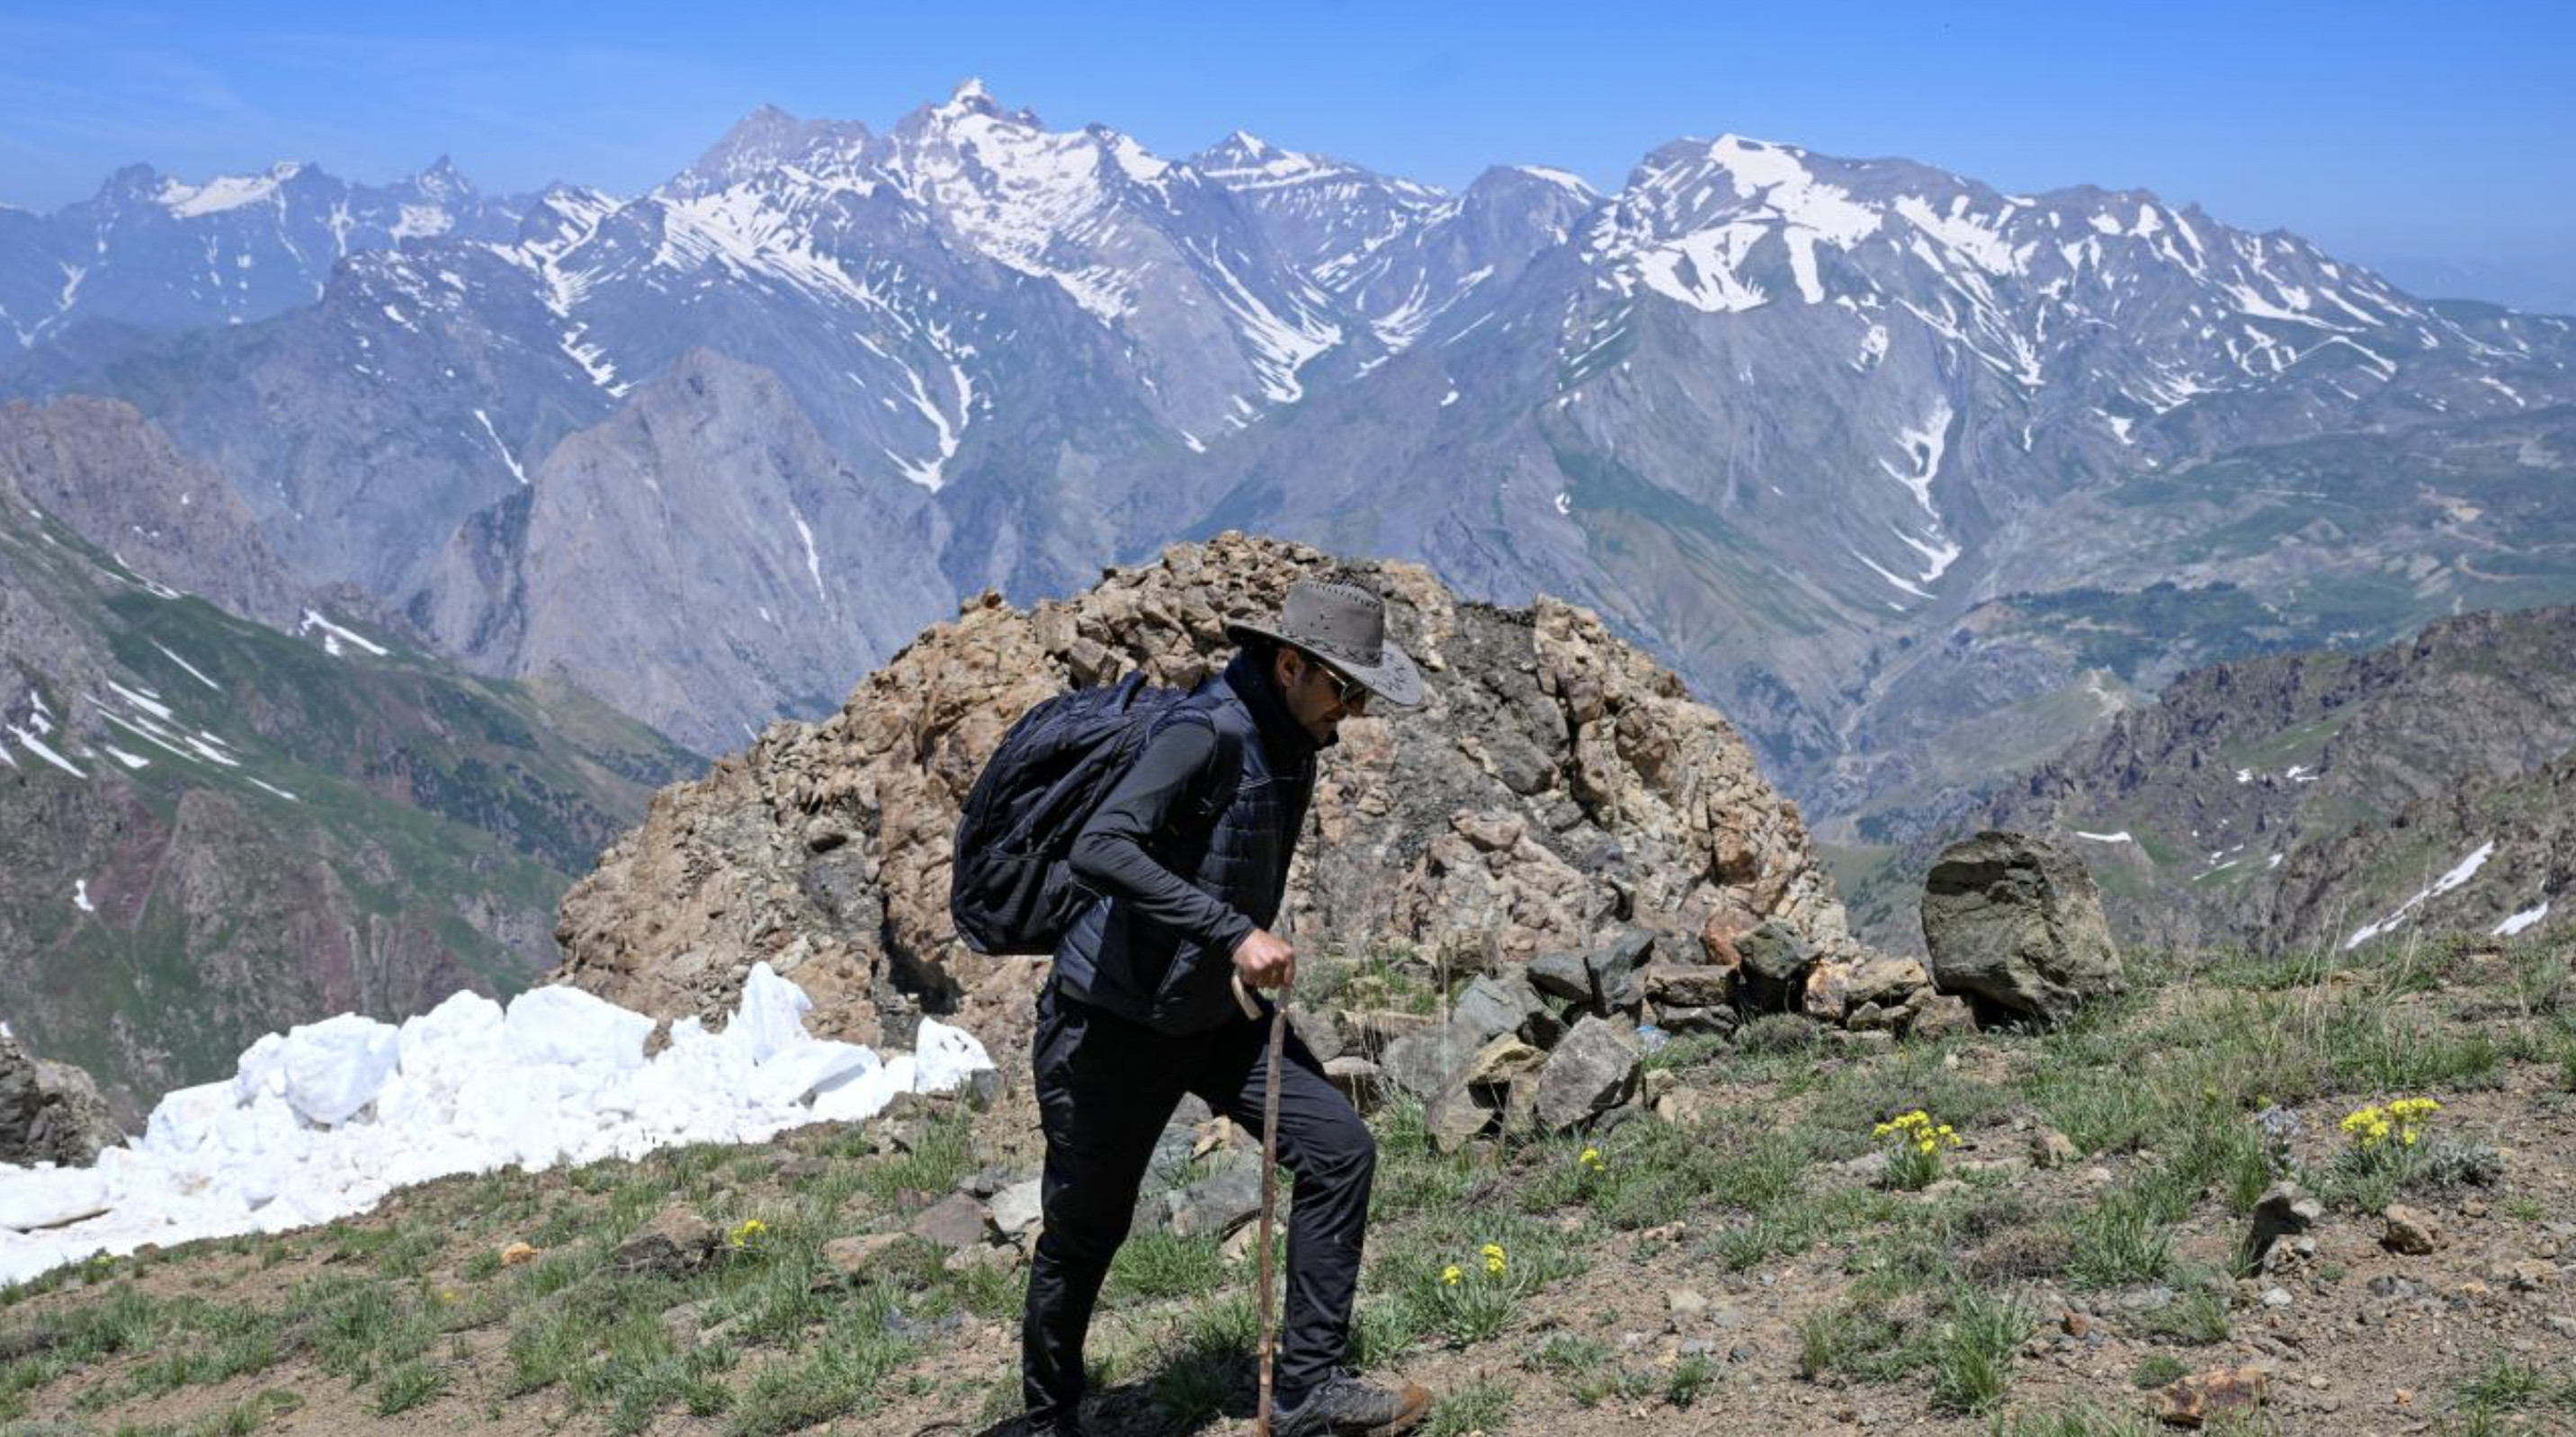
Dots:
{"x": 1344, "y": 626}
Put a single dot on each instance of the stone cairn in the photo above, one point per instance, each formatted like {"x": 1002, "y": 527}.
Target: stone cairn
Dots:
{"x": 1559, "y": 836}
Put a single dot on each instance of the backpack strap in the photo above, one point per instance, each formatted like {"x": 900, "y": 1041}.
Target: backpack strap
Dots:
{"x": 1217, "y": 782}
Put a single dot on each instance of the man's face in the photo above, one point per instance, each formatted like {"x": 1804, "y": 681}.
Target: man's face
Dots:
{"x": 1317, "y": 698}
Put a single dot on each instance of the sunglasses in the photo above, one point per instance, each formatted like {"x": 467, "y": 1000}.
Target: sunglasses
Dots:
{"x": 1349, "y": 693}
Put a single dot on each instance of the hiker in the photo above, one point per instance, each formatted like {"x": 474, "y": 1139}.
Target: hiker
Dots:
{"x": 1142, "y": 1007}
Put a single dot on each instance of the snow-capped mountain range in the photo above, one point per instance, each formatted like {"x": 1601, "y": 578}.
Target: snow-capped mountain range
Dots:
{"x": 1786, "y": 418}
{"x": 158, "y": 253}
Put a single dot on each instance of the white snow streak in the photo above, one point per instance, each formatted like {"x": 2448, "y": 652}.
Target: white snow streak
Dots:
{"x": 331, "y": 635}
{"x": 2465, "y": 870}
{"x": 40, "y": 749}
{"x": 2521, "y": 921}
{"x": 813, "y": 561}
{"x": 191, "y": 668}
{"x": 506, "y": 456}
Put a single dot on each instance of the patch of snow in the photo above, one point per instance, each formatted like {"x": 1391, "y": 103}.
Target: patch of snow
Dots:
{"x": 1939, "y": 555}
{"x": 2466, "y": 869}
{"x": 1923, "y": 449}
{"x": 327, "y": 1119}
{"x": 1699, "y": 269}
{"x": 2120, "y": 837}
{"x": 1981, "y": 241}
{"x": 930, "y": 472}
{"x": 37, "y": 746}
{"x": 224, "y": 192}
{"x": 333, "y": 633}
{"x": 80, "y": 896}
{"x": 593, "y": 361}
{"x": 1279, "y": 348}
{"x": 1903, "y": 584}
{"x": 1873, "y": 348}
{"x": 422, "y": 220}
{"x": 2500, "y": 387}
{"x": 2520, "y": 921}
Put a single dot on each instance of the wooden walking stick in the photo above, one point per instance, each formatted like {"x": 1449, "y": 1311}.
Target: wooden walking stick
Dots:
{"x": 1269, "y": 1180}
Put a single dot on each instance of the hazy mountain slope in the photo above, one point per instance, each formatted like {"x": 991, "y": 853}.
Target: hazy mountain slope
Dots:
{"x": 213, "y": 828}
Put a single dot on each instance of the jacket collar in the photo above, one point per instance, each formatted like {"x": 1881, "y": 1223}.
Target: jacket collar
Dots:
{"x": 1281, "y": 734}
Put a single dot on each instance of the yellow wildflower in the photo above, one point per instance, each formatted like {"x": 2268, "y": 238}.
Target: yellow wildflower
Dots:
{"x": 1451, "y": 1274}
{"x": 749, "y": 1233}
{"x": 1590, "y": 1160}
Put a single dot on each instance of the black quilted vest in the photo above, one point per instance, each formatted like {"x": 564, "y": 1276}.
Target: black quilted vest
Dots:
{"x": 1150, "y": 974}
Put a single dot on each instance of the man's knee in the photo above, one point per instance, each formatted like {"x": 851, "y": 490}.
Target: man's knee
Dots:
{"x": 1339, "y": 1149}
{"x": 1086, "y": 1236}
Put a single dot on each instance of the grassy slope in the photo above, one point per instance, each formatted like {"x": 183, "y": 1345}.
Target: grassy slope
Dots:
{"x": 1833, "y": 1298}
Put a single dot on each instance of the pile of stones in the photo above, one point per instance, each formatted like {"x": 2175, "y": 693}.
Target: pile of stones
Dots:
{"x": 1560, "y": 1045}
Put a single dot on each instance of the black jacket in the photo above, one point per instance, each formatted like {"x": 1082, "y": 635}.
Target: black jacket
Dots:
{"x": 1184, "y": 864}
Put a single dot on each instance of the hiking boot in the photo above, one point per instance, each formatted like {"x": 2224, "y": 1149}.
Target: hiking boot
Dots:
{"x": 1343, "y": 1406}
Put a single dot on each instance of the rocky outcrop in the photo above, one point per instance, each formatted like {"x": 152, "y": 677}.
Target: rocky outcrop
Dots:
{"x": 1556, "y": 787}
{"x": 673, "y": 561}
{"x": 110, "y": 474}
{"x": 2495, "y": 859}
{"x": 2015, "y": 925}
{"x": 50, "y": 1112}
{"x": 2286, "y": 801}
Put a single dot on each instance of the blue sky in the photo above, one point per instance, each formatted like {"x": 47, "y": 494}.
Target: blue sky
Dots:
{"x": 2382, "y": 130}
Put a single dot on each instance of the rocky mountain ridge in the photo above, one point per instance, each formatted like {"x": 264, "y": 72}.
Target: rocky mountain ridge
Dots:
{"x": 1841, "y": 403}
{"x": 153, "y": 252}
{"x": 2292, "y": 802}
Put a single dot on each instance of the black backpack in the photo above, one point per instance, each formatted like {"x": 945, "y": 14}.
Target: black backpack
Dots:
{"x": 1010, "y": 886}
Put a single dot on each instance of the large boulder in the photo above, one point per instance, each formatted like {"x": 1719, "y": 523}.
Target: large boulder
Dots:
{"x": 1773, "y": 961}
{"x": 1594, "y": 1070}
{"x": 2015, "y": 924}
{"x": 50, "y": 1112}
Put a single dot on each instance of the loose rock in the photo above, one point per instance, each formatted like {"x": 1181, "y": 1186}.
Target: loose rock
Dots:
{"x": 2014, "y": 922}
{"x": 2410, "y": 1230}
{"x": 1592, "y": 1071}
{"x": 953, "y": 1222}
{"x": 676, "y": 1243}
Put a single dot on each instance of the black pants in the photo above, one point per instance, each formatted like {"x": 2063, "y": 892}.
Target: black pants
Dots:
{"x": 1105, "y": 1088}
